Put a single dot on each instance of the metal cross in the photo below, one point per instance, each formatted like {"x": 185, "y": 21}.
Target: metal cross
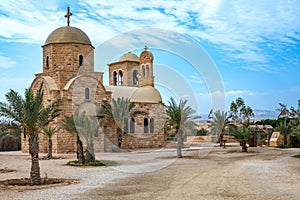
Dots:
{"x": 68, "y": 15}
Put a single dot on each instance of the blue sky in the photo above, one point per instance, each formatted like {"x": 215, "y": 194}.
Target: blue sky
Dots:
{"x": 254, "y": 44}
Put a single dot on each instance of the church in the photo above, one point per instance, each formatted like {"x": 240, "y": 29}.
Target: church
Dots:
{"x": 68, "y": 73}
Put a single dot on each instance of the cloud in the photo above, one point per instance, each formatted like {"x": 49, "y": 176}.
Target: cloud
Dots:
{"x": 229, "y": 93}
{"x": 6, "y": 62}
{"x": 245, "y": 31}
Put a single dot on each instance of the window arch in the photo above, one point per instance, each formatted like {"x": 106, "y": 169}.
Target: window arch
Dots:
{"x": 47, "y": 61}
{"x": 143, "y": 69}
{"x": 115, "y": 78}
{"x": 80, "y": 60}
{"x": 132, "y": 125}
{"x": 151, "y": 125}
{"x": 135, "y": 77}
{"x": 120, "y": 78}
{"x": 147, "y": 70}
{"x": 87, "y": 93}
{"x": 125, "y": 125}
{"x": 146, "y": 125}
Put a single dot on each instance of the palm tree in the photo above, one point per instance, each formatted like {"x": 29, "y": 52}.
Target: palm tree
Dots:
{"x": 30, "y": 114}
{"x": 180, "y": 117}
{"x": 49, "y": 132}
{"x": 243, "y": 135}
{"x": 69, "y": 125}
{"x": 285, "y": 129}
{"x": 219, "y": 124}
{"x": 87, "y": 127}
{"x": 119, "y": 110}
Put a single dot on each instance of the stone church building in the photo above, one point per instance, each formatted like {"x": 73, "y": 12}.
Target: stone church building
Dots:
{"x": 68, "y": 73}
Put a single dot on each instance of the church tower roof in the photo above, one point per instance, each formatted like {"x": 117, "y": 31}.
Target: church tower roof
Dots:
{"x": 129, "y": 57}
{"x": 68, "y": 34}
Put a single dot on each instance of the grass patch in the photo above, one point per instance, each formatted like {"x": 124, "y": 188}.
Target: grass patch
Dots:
{"x": 96, "y": 163}
{"x": 296, "y": 156}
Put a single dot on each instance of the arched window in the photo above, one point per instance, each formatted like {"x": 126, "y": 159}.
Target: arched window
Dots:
{"x": 151, "y": 125}
{"x": 147, "y": 70}
{"x": 120, "y": 78}
{"x": 135, "y": 77}
{"x": 96, "y": 134}
{"x": 125, "y": 125}
{"x": 80, "y": 60}
{"x": 146, "y": 125}
{"x": 132, "y": 125}
{"x": 143, "y": 69}
{"x": 47, "y": 61}
{"x": 115, "y": 77}
{"x": 87, "y": 93}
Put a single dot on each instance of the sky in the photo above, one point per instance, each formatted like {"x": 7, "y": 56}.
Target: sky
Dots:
{"x": 203, "y": 49}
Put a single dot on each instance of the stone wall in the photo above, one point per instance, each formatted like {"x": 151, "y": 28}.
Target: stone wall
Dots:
{"x": 139, "y": 139}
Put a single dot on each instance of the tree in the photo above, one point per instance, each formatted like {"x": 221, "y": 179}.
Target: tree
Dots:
{"x": 87, "y": 127}
{"x": 239, "y": 111}
{"x": 285, "y": 129}
{"x": 69, "y": 125}
{"x": 30, "y": 114}
{"x": 49, "y": 132}
{"x": 243, "y": 135}
{"x": 120, "y": 110}
{"x": 219, "y": 123}
{"x": 180, "y": 117}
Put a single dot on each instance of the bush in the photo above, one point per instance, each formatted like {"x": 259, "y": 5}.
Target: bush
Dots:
{"x": 295, "y": 141}
{"x": 10, "y": 143}
{"x": 202, "y": 132}
{"x": 96, "y": 163}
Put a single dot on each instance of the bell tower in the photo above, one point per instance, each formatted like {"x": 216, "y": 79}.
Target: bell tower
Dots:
{"x": 146, "y": 68}
{"x": 67, "y": 51}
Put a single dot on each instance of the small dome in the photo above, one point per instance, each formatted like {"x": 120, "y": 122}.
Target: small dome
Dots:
{"x": 68, "y": 34}
{"x": 147, "y": 94}
{"x": 129, "y": 57}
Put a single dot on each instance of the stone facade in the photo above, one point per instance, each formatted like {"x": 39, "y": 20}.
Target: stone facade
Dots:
{"x": 68, "y": 73}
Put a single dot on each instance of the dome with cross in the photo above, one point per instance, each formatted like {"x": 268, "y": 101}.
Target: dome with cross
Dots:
{"x": 68, "y": 34}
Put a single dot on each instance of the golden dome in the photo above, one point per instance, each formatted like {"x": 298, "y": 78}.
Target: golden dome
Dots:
{"x": 68, "y": 34}
{"x": 146, "y": 94}
{"x": 129, "y": 57}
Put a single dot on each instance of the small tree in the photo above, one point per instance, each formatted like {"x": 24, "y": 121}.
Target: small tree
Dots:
{"x": 49, "y": 132}
{"x": 31, "y": 115}
{"x": 243, "y": 135}
{"x": 285, "y": 130}
{"x": 69, "y": 125}
{"x": 240, "y": 112}
{"x": 119, "y": 110}
{"x": 180, "y": 117}
{"x": 87, "y": 127}
{"x": 219, "y": 123}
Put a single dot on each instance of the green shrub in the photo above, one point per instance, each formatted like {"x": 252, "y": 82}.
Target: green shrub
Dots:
{"x": 202, "y": 132}
{"x": 96, "y": 163}
{"x": 10, "y": 143}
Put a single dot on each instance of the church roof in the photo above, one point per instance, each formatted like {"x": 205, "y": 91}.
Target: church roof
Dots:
{"x": 68, "y": 34}
{"x": 129, "y": 57}
{"x": 146, "y": 94}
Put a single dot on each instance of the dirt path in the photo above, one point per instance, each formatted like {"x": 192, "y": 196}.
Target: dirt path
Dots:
{"x": 262, "y": 174}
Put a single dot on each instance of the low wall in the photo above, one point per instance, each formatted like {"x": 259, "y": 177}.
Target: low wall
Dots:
{"x": 199, "y": 139}
{"x": 210, "y": 138}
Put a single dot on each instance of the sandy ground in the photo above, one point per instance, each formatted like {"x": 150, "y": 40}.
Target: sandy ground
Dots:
{"x": 209, "y": 173}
